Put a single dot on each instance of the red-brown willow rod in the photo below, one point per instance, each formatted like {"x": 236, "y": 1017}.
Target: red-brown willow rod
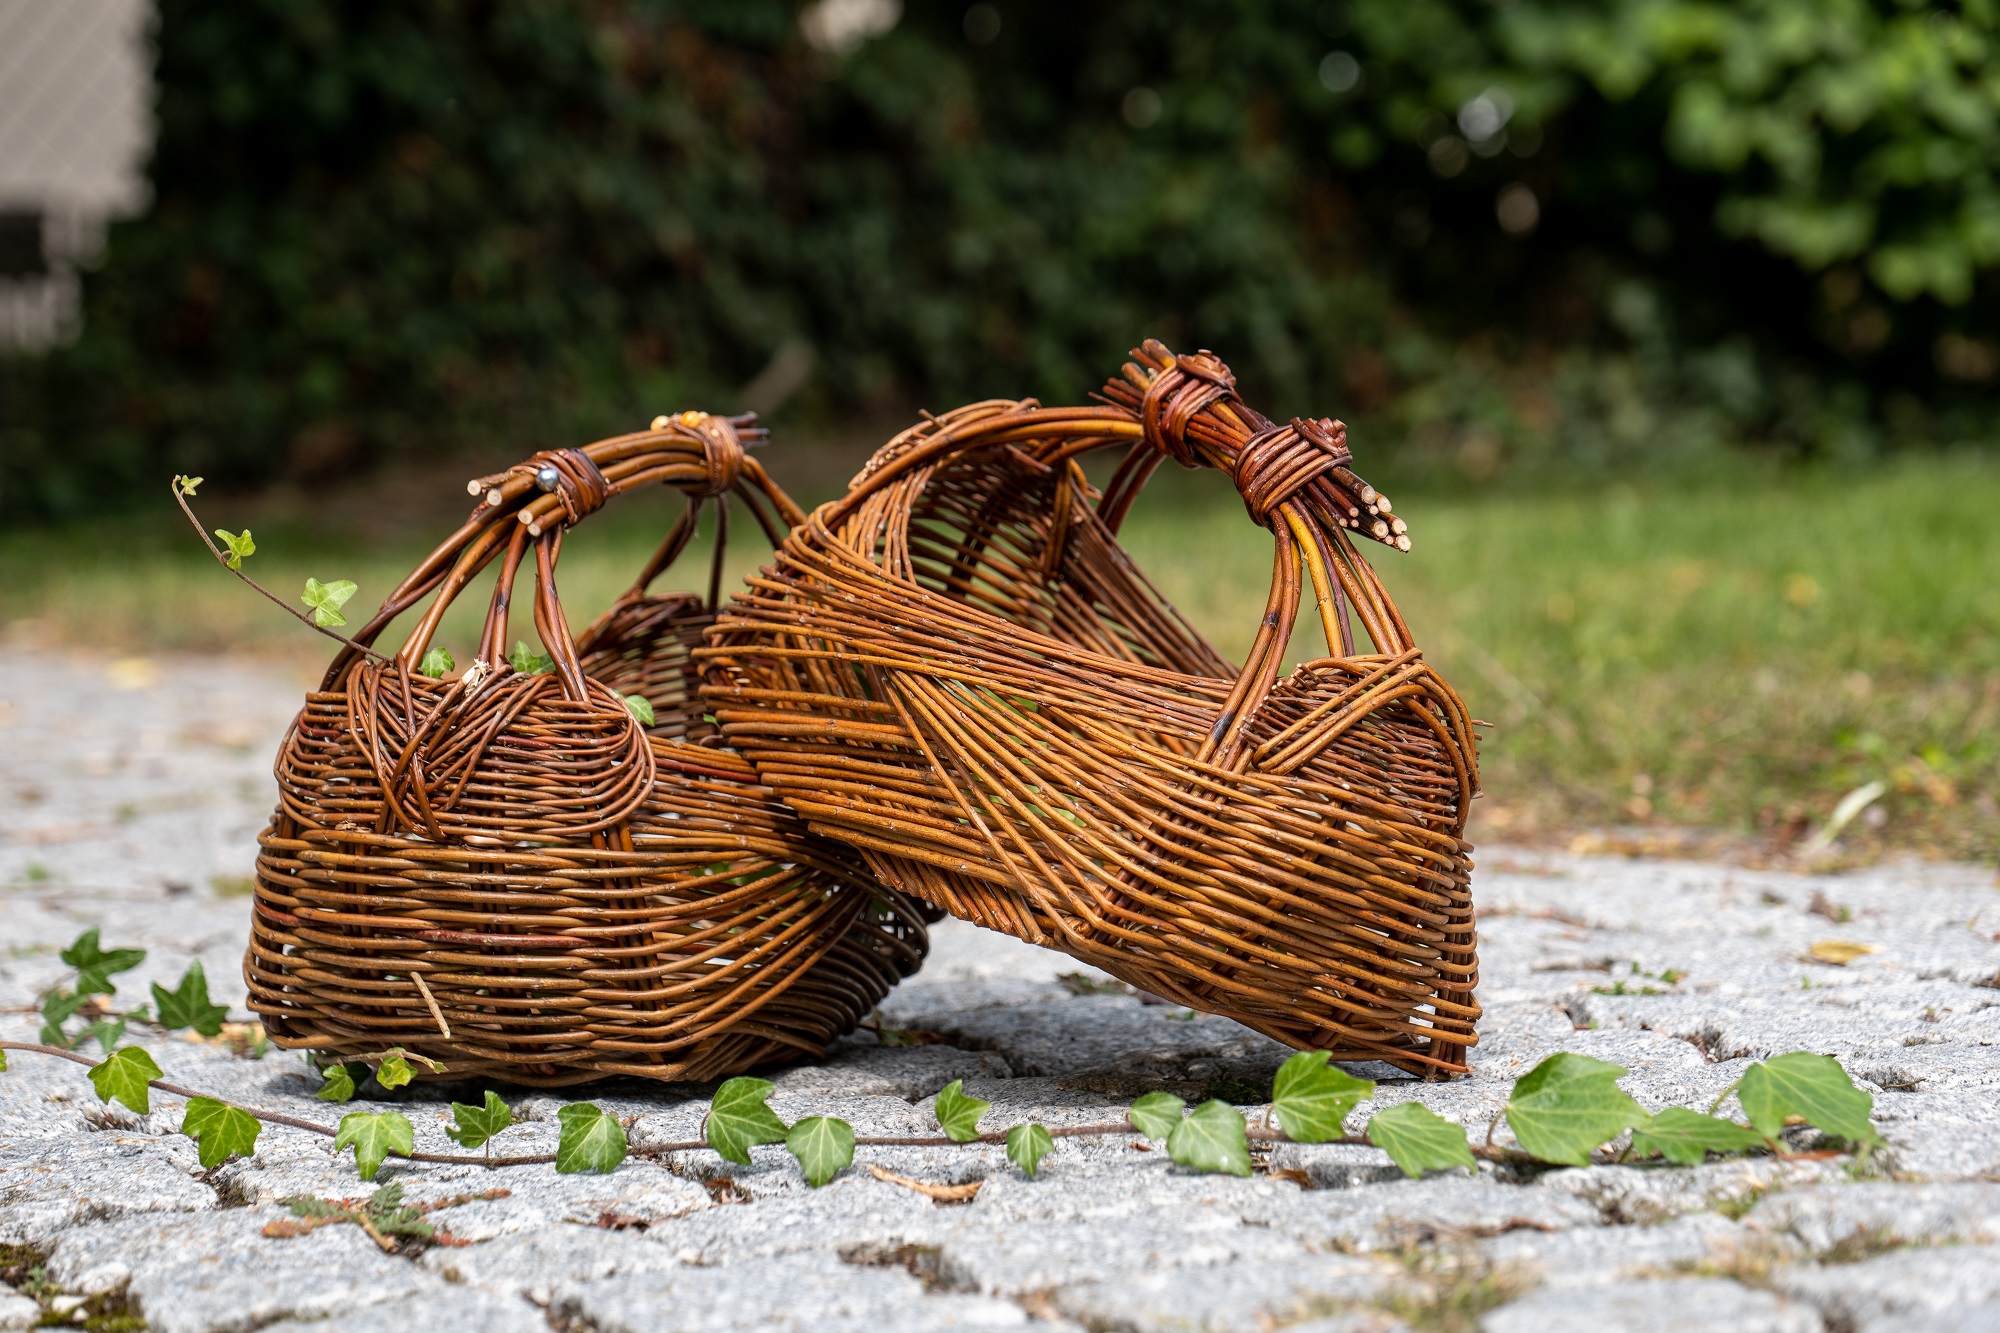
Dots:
{"x": 957, "y": 671}
{"x": 508, "y": 872}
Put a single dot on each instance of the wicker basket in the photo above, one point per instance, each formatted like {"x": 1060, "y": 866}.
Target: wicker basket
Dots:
{"x": 957, "y": 671}
{"x": 505, "y": 872}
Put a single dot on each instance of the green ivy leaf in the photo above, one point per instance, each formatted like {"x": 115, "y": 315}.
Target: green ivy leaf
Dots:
{"x": 338, "y": 1085}
{"x": 1027, "y": 1145}
{"x": 1686, "y": 1137}
{"x": 641, "y": 707}
{"x": 108, "y": 1032}
{"x": 94, "y": 965}
{"x": 591, "y": 1139}
{"x": 188, "y": 484}
{"x": 188, "y": 1006}
{"x": 58, "y": 1007}
{"x": 739, "y": 1118}
{"x": 437, "y": 662}
{"x": 3, "y": 1062}
{"x": 394, "y": 1071}
{"x": 472, "y": 1126}
{"x": 528, "y": 662}
{"x": 1156, "y": 1114}
{"x": 957, "y": 1114}
{"x": 1568, "y": 1105}
{"x": 1313, "y": 1099}
{"x": 239, "y": 546}
{"x": 1212, "y": 1138}
{"x": 326, "y": 599}
{"x": 1813, "y": 1086}
{"x": 1418, "y": 1139}
{"x": 123, "y": 1076}
{"x": 823, "y": 1145}
{"x": 374, "y": 1135}
{"x": 220, "y": 1130}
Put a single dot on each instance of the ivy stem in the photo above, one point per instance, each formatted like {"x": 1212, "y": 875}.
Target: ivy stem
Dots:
{"x": 1257, "y": 1133}
{"x": 275, "y": 1118}
{"x": 303, "y": 617}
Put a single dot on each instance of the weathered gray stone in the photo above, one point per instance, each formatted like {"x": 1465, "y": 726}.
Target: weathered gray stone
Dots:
{"x": 1669, "y": 1305}
{"x": 1600, "y": 1256}
{"x": 1830, "y": 1219}
{"x": 216, "y": 1273}
{"x": 532, "y": 1264}
{"x": 1886, "y": 1291}
{"x": 439, "y": 1312}
{"x": 17, "y": 1311}
{"x": 1336, "y": 1166}
{"x": 807, "y": 1293}
{"x": 1646, "y": 1194}
{"x": 1244, "y": 1297}
{"x": 52, "y": 1184}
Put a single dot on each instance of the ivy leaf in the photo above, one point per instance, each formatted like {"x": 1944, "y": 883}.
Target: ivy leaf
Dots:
{"x": 1813, "y": 1086}
{"x": 221, "y": 1131}
{"x": 1568, "y": 1105}
{"x": 591, "y": 1139}
{"x": 94, "y": 965}
{"x": 1418, "y": 1139}
{"x": 527, "y": 662}
{"x": 338, "y": 1085}
{"x": 57, "y": 1009}
{"x": 1313, "y": 1099}
{"x": 123, "y": 1076}
{"x": 239, "y": 546}
{"x": 957, "y": 1114}
{"x": 187, "y": 483}
{"x": 1156, "y": 1114}
{"x": 1212, "y": 1138}
{"x": 472, "y": 1126}
{"x": 1686, "y": 1137}
{"x": 3, "y": 1062}
{"x": 326, "y": 599}
{"x": 188, "y": 1006}
{"x": 437, "y": 662}
{"x": 823, "y": 1145}
{"x": 739, "y": 1118}
{"x": 1027, "y": 1145}
{"x": 373, "y": 1136}
{"x": 108, "y": 1032}
{"x": 640, "y": 707}
{"x": 394, "y": 1071}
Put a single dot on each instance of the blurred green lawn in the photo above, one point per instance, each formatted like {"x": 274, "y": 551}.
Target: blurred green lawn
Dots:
{"x": 1734, "y": 655}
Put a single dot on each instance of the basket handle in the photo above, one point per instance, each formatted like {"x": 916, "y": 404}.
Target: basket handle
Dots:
{"x": 703, "y": 456}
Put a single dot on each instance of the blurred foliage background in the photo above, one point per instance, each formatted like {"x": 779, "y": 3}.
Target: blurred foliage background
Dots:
{"x": 1738, "y": 256}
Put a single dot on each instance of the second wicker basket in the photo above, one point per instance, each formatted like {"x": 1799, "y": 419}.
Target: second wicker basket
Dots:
{"x": 957, "y": 671}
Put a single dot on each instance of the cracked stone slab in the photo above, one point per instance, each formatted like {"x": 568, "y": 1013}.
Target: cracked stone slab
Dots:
{"x": 1259, "y": 1293}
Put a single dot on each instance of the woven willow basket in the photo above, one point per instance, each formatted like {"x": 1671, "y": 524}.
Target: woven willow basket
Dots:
{"x": 957, "y": 671}
{"x": 508, "y": 873}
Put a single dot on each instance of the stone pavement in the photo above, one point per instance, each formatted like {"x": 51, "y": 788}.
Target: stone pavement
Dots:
{"x": 133, "y": 792}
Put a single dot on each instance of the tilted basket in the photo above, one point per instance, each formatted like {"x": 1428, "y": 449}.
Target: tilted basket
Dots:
{"x": 506, "y": 871}
{"x": 956, "y": 670}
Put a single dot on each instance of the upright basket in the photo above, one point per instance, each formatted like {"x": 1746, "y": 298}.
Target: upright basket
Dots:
{"x": 507, "y": 871}
{"x": 957, "y": 671}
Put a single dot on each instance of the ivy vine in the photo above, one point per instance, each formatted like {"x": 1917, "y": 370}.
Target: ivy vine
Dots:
{"x": 1563, "y": 1112}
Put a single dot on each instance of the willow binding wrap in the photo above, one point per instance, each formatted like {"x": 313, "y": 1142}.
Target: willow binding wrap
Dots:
{"x": 506, "y": 872}
{"x": 957, "y": 670}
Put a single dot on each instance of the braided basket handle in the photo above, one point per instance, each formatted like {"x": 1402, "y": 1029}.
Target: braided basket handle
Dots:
{"x": 704, "y": 457}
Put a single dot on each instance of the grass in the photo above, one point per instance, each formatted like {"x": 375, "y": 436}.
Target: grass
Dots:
{"x": 1734, "y": 655}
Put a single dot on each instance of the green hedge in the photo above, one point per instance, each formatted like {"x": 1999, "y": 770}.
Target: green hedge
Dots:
{"x": 1582, "y": 232}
